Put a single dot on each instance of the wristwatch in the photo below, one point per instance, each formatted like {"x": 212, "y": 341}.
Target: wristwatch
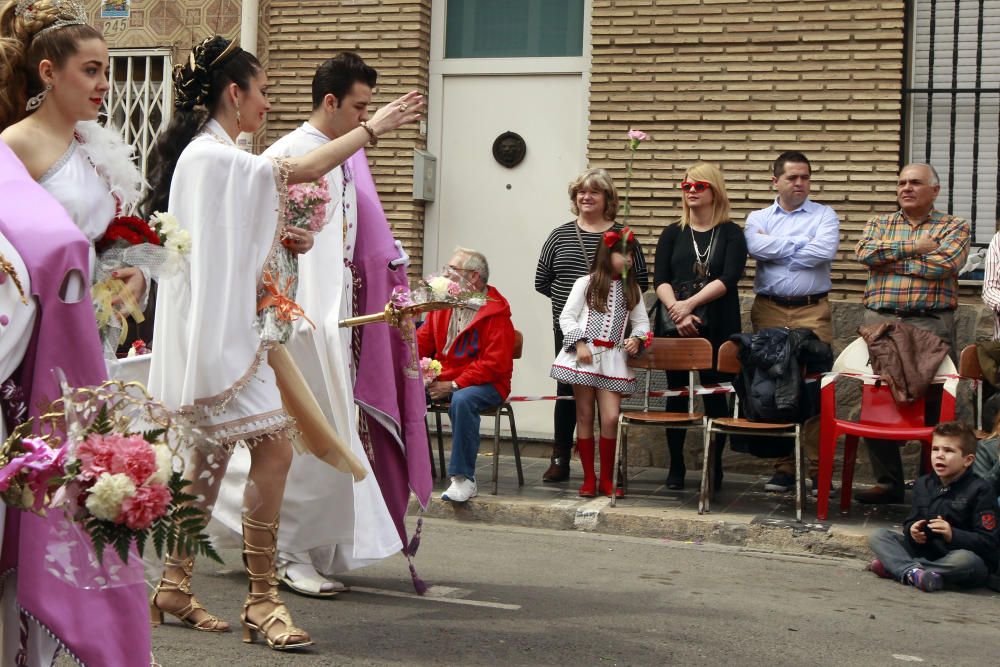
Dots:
{"x": 454, "y": 386}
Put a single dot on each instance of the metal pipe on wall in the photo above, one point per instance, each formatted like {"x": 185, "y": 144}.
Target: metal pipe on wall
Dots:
{"x": 249, "y": 18}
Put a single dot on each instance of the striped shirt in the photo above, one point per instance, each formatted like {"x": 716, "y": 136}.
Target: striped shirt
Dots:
{"x": 901, "y": 277}
{"x": 562, "y": 261}
{"x": 991, "y": 283}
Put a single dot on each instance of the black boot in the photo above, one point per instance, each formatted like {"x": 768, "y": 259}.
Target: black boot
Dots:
{"x": 558, "y": 470}
{"x": 720, "y": 444}
{"x": 675, "y": 477}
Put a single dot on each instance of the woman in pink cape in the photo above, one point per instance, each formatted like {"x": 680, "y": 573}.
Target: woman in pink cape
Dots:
{"x": 97, "y": 626}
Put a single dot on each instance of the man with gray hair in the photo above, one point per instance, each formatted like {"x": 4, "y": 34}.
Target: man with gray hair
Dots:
{"x": 475, "y": 345}
{"x": 914, "y": 256}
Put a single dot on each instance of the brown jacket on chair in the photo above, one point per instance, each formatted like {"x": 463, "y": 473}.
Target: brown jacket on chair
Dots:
{"x": 904, "y": 356}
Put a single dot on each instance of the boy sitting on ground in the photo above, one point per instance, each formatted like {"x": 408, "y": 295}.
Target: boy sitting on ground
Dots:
{"x": 951, "y": 535}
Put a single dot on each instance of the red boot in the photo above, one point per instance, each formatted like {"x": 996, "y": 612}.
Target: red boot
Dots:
{"x": 607, "y": 467}
{"x": 586, "y": 448}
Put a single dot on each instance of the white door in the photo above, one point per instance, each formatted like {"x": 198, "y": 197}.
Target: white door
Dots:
{"x": 508, "y": 213}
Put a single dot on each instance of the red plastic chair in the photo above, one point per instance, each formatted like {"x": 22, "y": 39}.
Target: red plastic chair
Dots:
{"x": 881, "y": 417}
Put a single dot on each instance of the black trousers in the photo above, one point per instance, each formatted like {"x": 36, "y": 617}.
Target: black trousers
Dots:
{"x": 564, "y": 413}
{"x": 716, "y": 405}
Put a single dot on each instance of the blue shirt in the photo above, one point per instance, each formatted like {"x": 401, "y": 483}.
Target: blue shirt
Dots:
{"x": 794, "y": 249}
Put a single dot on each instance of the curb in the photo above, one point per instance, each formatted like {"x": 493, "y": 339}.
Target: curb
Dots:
{"x": 681, "y": 525}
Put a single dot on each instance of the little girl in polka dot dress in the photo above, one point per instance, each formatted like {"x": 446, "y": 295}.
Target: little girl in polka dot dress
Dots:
{"x": 594, "y": 356}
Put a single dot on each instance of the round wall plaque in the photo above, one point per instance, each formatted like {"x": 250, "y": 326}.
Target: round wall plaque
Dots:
{"x": 509, "y": 149}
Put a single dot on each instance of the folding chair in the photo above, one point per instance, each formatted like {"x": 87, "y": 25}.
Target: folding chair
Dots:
{"x": 969, "y": 369}
{"x": 665, "y": 354}
{"x": 729, "y": 362}
{"x": 881, "y": 418}
{"x": 504, "y": 409}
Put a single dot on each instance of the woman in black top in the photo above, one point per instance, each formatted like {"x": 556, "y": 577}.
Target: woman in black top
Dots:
{"x": 566, "y": 256}
{"x": 704, "y": 242}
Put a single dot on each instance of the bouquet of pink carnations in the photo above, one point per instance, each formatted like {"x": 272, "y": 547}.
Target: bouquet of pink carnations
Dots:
{"x": 85, "y": 458}
{"x": 306, "y": 205}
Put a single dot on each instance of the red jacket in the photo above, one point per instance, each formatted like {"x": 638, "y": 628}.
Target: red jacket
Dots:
{"x": 483, "y": 352}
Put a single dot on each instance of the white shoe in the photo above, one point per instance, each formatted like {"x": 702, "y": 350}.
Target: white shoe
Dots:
{"x": 305, "y": 580}
{"x": 462, "y": 488}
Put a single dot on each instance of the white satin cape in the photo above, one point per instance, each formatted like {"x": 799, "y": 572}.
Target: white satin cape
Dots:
{"x": 340, "y": 524}
{"x": 206, "y": 346}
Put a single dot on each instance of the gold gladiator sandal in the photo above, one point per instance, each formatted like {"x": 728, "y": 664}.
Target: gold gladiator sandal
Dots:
{"x": 290, "y": 637}
{"x": 208, "y": 623}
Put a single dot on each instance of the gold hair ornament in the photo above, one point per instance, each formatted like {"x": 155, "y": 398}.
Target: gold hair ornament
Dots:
{"x": 68, "y": 12}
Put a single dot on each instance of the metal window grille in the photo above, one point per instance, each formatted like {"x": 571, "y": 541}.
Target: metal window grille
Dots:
{"x": 951, "y": 104}
{"x": 139, "y": 102}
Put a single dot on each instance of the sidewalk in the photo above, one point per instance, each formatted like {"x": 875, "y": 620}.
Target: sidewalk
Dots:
{"x": 743, "y": 514}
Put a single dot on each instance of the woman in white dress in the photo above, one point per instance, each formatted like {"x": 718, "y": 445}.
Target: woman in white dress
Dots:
{"x": 212, "y": 344}
{"x": 53, "y": 79}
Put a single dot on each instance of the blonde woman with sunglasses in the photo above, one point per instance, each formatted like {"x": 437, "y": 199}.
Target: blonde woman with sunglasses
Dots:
{"x": 699, "y": 261}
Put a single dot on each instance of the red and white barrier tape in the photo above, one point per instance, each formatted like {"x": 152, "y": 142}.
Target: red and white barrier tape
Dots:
{"x": 699, "y": 390}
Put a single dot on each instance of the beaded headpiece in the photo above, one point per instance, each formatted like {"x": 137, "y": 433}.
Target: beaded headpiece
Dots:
{"x": 68, "y": 12}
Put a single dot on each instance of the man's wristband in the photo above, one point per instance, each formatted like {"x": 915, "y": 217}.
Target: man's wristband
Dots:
{"x": 372, "y": 137}
{"x": 454, "y": 386}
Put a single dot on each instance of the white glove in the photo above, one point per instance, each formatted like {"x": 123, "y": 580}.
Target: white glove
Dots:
{"x": 402, "y": 260}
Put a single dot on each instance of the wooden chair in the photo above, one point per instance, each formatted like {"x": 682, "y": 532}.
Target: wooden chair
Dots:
{"x": 729, "y": 362}
{"x": 665, "y": 354}
{"x": 505, "y": 409}
{"x": 969, "y": 369}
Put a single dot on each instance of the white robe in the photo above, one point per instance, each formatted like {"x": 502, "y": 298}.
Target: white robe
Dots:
{"x": 210, "y": 360}
{"x": 17, "y": 321}
{"x": 326, "y": 519}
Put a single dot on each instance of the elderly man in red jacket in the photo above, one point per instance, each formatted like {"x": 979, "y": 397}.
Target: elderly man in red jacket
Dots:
{"x": 475, "y": 345}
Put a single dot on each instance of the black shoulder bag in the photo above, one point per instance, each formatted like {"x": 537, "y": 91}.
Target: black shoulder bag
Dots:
{"x": 663, "y": 325}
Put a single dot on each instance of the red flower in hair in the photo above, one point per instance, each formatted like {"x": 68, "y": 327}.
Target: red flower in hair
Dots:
{"x": 611, "y": 238}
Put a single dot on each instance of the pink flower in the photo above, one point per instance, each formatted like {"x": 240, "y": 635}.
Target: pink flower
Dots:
{"x": 401, "y": 297}
{"x": 113, "y": 454}
{"x": 94, "y": 455}
{"x": 147, "y": 505}
{"x": 637, "y": 135}
{"x": 35, "y": 468}
{"x": 454, "y": 289}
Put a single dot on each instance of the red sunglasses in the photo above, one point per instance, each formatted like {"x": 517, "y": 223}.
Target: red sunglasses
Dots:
{"x": 697, "y": 186}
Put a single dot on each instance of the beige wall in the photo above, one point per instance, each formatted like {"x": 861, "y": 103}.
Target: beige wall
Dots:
{"x": 737, "y": 83}
{"x": 392, "y": 36}
{"x": 168, "y": 23}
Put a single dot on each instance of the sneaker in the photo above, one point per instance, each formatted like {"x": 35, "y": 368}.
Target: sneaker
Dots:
{"x": 781, "y": 482}
{"x": 878, "y": 568}
{"x": 926, "y": 580}
{"x": 814, "y": 492}
{"x": 462, "y": 488}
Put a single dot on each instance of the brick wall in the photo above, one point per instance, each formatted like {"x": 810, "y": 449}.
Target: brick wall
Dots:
{"x": 391, "y": 35}
{"x": 737, "y": 83}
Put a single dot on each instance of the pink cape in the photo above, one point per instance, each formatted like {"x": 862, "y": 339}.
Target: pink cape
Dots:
{"x": 100, "y": 627}
{"x": 382, "y": 388}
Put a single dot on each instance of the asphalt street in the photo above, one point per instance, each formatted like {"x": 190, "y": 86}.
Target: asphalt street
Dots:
{"x": 510, "y": 596}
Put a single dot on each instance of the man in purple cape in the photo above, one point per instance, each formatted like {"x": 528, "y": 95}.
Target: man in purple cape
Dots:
{"x": 100, "y": 627}
{"x": 392, "y": 405}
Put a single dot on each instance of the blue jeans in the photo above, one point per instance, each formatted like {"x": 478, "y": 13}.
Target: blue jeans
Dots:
{"x": 466, "y": 404}
{"x": 961, "y": 566}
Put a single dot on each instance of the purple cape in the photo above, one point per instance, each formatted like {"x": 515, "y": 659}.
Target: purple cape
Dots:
{"x": 381, "y": 386}
{"x": 100, "y": 627}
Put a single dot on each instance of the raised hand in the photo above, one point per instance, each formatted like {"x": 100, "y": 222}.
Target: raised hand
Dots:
{"x": 397, "y": 113}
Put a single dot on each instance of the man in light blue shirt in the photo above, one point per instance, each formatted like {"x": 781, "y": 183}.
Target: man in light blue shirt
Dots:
{"x": 793, "y": 242}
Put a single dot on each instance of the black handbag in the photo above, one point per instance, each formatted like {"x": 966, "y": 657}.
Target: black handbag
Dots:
{"x": 663, "y": 325}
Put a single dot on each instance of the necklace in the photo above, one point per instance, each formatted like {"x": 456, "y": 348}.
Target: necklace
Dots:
{"x": 701, "y": 267}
